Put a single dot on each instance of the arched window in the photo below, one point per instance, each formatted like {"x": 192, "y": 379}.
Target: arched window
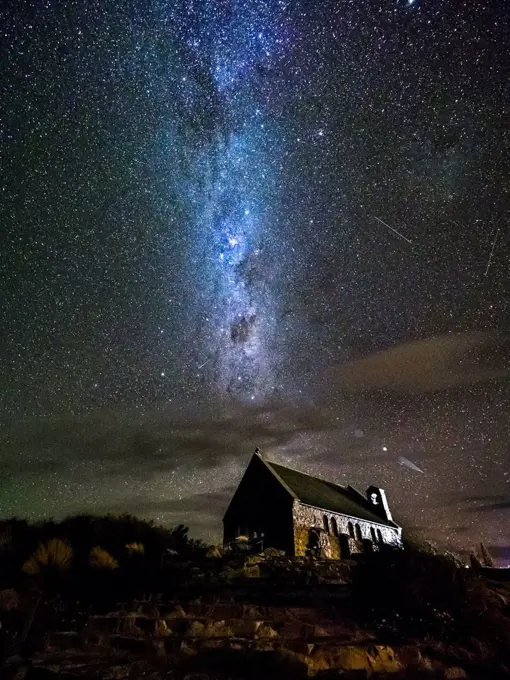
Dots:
{"x": 326, "y": 524}
{"x": 373, "y": 534}
{"x": 350, "y": 529}
{"x": 379, "y": 536}
{"x": 334, "y": 527}
{"x": 359, "y": 535}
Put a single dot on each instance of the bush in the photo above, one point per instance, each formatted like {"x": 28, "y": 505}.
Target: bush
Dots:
{"x": 55, "y": 553}
{"x": 101, "y": 559}
{"x": 428, "y": 595}
{"x": 135, "y": 549}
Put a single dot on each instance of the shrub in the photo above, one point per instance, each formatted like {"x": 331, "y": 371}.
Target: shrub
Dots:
{"x": 101, "y": 559}
{"x": 426, "y": 594}
{"x": 55, "y": 553}
{"x": 135, "y": 549}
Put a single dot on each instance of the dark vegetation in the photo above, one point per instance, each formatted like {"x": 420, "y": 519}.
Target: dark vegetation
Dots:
{"x": 429, "y": 596}
{"x": 54, "y": 574}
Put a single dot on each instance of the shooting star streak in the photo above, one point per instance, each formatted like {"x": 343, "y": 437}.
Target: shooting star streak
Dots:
{"x": 409, "y": 463}
{"x": 394, "y": 230}
{"x": 492, "y": 252}
{"x": 202, "y": 365}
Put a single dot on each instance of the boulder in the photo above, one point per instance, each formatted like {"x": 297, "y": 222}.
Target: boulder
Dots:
{"x": 161, "y": 627}
{"x": 455, "y": 673}
{"x": 245, "y": 627}
{"x": 128, "y": 625}
{"x": 410, "y": 656}
{"x": 375, "y": 659}
{"x": 176, "y": 612}
{"x": 384, "y": 659}
{"x": 218, "y": 629}
{"x": 266, "y": 631}
{"x": 195, "y": 629}
{"x": 251, "y": 571}
{"x": 272, "y": 553}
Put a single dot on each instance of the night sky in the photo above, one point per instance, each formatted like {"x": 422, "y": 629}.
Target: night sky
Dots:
{"x": 256, "y": 223}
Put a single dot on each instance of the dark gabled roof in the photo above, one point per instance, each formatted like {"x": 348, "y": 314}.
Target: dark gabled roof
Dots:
{"x": 325, "y": 495}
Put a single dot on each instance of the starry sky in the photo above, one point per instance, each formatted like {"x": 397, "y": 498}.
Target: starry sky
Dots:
{"x": 249, "y": 223}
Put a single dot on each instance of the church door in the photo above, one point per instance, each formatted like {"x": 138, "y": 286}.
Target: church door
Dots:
{"x": 314, "y": 546}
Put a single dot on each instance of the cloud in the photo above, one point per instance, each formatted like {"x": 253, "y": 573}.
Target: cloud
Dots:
{"x": 422, "y": 366}
{"x": 500, "y": 552}
{"x": 162, "y": 464}
{"x": 496, "y": 505}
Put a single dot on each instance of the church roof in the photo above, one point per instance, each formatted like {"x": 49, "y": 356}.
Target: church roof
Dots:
{"x": 325, "y": 495}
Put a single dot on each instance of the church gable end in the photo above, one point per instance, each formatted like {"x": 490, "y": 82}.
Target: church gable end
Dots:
{"x": 260, "y": 507}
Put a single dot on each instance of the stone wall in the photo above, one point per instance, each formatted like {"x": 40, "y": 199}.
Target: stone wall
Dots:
{"x": 306, "y": 517}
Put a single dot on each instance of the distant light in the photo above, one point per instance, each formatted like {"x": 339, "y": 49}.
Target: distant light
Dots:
{"x": 384, "y": 448}
{"x": 162, "y": 374}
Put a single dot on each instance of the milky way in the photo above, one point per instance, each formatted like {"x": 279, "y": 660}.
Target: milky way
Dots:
{"x": 240, "y": 43}
{"x": 245, "y": 223}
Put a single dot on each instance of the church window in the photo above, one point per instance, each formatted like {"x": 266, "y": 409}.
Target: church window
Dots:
{"x": 326, "y": 524}
{"x": 379, "y": 536}
{"x": 334, "y": 527}
{"x": 350, "y": 529}
{"x": 373, "y": 534}
{"x": 359, "y": 535}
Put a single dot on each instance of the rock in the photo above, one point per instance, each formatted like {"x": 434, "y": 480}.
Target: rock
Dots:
{"x": 245, "y": 627}
{"x": 218, "y": 629}
{"x": 215, "y": 552}
{"x": 252, "y": 571}
{"x": 127, "y": 625}
{"x": 133, "y": 645}
{"x": 455, "y": 673}
{"x": 251, "y": 612}
{"x": 116, "y": 672}
{"x": 195, "y": 629}
{"x": 42, "y": 673}
{"x": 384, "y": 659}
{"x": 411, "y": 657}
{"x": 176, "y": 612}
{"x": 266, "y": 631}
{"x": 271, "y": 553}
{"x": 157, "y": 647}
{"x": 102, "y": 625}
{"x": 161, "y": 627}
{"x": 64, "y": 641}
{"x": 14, "y": 668}
{"x": 375, "y": 659}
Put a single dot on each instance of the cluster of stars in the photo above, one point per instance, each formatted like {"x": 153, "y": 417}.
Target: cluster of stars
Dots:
{"x": 212, "y": 204}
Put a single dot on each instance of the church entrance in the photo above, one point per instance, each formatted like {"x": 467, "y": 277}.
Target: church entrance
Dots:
{"x": 314, "y": 544}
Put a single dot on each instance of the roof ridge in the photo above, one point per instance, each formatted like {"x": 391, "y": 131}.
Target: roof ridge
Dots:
{"x": 307, "y": 474}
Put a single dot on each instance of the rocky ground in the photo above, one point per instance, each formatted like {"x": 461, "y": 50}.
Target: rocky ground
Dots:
{"x": 267, "y": 617}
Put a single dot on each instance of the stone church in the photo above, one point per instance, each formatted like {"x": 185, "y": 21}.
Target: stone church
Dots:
{"x": 276, "y": 506}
